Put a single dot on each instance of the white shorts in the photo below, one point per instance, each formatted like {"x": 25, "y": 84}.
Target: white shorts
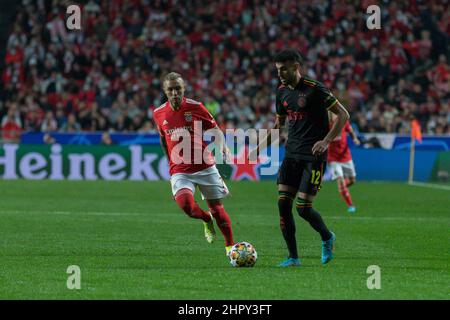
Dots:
{"x": 342, "y": 169}
{"x": 209, "y": 182}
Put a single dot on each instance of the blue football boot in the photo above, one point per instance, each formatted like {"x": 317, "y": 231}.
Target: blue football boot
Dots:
{"x": 290, "y": 262}
{"x": 327, "y": 249}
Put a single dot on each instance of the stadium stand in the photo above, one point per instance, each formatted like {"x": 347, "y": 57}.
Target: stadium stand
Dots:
{"x": 106, "y": 77}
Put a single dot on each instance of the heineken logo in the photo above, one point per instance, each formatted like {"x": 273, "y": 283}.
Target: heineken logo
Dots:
{"x": 82, "y": 163}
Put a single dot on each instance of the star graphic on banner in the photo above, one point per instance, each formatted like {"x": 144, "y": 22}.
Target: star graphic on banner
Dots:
{"x": 242, "y": 168}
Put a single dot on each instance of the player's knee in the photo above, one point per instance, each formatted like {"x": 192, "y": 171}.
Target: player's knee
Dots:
{"x": 351, "y": 181}
{"x": 304, "y": 208}
{"x": 185, "y": 202}
{"x": 285, "y": 200}
{"x": 285, "y": 203}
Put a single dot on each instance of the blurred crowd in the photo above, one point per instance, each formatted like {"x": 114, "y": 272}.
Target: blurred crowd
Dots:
{"x": 107, "y": 76}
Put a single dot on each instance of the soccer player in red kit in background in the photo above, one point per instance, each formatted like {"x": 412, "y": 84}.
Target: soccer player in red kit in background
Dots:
{"x": 176, "y": 120}
{"x": 341, "y": 164}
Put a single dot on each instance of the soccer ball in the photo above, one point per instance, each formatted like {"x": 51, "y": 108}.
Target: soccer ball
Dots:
{"x": 243, "y": 254}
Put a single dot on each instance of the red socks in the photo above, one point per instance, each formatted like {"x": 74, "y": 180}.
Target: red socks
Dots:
{"x": 186, "y": 202}
{"x": 223, "y": 221}
{"x": 343, "y": 190}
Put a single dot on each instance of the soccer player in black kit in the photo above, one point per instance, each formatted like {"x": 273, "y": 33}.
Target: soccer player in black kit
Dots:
{"x": 304, "y": 103}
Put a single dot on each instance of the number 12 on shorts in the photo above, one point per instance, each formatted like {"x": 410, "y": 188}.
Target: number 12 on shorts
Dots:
{"x": 315, "y": 177}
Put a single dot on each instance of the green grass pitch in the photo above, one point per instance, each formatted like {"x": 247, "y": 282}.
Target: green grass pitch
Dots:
{"x": 132, "y": 242}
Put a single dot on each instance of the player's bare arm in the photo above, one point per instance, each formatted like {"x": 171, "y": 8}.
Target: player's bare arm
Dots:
{"x": 280, "y": 123}
{"x": 342, "y": 117}
{"x": 354, "y": 136}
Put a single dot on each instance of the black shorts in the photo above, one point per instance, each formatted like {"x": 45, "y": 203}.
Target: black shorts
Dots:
{"x": 305, "y": 176}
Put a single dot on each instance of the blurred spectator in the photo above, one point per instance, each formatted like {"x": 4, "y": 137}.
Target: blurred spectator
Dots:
{"x": 49, "y": 123}
{"x": 71, "y": 125}
{"x": 148, "y": 128}
{"x": 11, "y": 127}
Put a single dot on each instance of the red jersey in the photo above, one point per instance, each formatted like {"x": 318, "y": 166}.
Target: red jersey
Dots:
{"x": 338, "y": 149}
{"x": 189, "y": 121}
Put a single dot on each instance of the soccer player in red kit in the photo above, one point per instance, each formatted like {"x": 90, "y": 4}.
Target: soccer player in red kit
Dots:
{"x": 341, "y": 164}
{"x": 194, "y": 166}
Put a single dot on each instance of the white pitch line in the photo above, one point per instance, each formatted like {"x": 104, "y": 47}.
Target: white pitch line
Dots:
{"x": 89, "y": 213}
{"x": 430, "y": 185}
{"x": 385, "y": 218}
{"x": 96, "y": 213}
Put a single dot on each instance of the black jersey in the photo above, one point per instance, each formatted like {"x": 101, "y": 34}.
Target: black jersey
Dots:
{"x": 305, "y": 107}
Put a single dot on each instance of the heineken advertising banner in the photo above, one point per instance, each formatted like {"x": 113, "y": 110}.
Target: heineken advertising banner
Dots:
{"x": 71, "y": 162}
{"x": 441, "y": 168}
{"x": 133, "y": 162}
{"x": 147, "y": 162}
